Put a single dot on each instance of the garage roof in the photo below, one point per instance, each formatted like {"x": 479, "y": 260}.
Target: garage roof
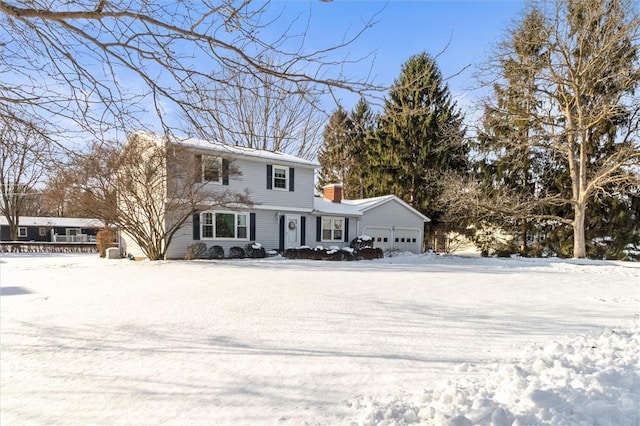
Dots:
{"x": 359, "y": 207}
{"x": 369, "y": 203}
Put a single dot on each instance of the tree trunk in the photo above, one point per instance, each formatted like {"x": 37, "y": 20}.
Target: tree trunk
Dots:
{"x": 579, "y": 245}
{"x": 523, "y": 238}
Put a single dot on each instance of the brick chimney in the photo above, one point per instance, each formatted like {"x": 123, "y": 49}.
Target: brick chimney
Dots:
{"x": 332, "y": 192}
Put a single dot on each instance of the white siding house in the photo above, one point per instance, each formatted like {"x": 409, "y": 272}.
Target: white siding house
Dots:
{"x": 283, "y": 213}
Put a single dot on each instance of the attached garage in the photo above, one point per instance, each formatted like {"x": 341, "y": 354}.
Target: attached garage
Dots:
{"x": 392, "y": 223}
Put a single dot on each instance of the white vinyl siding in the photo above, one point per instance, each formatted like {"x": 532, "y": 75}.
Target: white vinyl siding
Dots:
{"x": 391, "y": 225}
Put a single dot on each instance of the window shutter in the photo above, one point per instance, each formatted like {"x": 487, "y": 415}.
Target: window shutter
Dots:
{"x": 197, "y": 172}
{"x": 252, "y": 226}
{"x": 303, "y": 230}
{"x": 346, "y": 230}
{"x": 196, "y": 226}
{"x": 269, "y": 176}
{"x": 291, "y": 178}
{"x": 318, "y": 228}
{"x": 282, "y": 234}
{"x": 225, "y": 171}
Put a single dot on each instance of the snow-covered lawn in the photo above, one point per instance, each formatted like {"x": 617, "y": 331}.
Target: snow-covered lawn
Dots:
{"x": 431, "y": 339}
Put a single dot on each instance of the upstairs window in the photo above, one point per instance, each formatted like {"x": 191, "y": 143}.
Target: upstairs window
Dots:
{"x": 211, "y": 169}
{"x": 280, "y": 177}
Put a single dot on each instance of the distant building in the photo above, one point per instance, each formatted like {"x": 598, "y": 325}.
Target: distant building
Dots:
{"x": 53, "y": 229}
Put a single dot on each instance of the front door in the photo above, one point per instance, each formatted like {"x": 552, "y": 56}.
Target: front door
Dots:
{"x": 291, "y": 231}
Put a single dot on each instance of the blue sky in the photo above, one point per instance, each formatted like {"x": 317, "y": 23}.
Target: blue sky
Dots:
{"x": 406, "y": 28}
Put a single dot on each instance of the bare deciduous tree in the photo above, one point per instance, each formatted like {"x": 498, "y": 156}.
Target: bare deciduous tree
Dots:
{"x": 24, "y": 156}
{"x": 159, "y": 187}
{"x": 581, "y": 67}
{"x": 262, "y": 113}
{"x": 149, "y": 187}
{"x": 105, "y": 65}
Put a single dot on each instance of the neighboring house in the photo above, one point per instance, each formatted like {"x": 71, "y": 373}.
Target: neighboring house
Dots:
{"x": 53, "y": 229}
{"x": 285, "y": 212}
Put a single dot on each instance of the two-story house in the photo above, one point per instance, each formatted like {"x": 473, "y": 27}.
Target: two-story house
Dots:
{"x": 284, "y": 211}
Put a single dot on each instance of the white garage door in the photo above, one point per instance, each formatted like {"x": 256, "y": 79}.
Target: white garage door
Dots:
{"x": 407, "y": 239}
{"x": 404, "y": 239}
{"x": 382, "y": 237}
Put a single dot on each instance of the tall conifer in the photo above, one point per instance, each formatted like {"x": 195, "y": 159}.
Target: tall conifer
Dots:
{"x": 421, "y": 136}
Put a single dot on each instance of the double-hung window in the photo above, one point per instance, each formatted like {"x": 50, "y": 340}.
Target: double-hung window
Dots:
{"x": 22, "y": 231}
{"x": 225, "y": 225}
{"x": 211, "y": 169}
{"x": 280, "y": 177}
{"x": 332, "y": 228}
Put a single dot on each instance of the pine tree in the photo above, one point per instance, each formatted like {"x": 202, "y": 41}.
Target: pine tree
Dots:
{"x": 334, "y": 153}
{"x": 508, "y": 160}
{"x": 343, "y": 156}
{"x": 363, "y": 123}
{"x": 421, "y": 137}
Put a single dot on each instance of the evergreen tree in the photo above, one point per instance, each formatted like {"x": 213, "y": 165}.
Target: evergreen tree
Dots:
{"x": 343, "y": 155}
{"x": 334, "y": 154}
{"x": 363, "y": 123}
{"x": 421, "y": 137}
{"x": 508, "y": 160}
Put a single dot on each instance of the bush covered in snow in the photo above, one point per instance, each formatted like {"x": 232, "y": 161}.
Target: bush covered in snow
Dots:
{"x": 255, "y": 251}
{"x": 361, "y": 241}
{"x": 334, "y": 253}
{"x": 317, "y": 253}
{"x": 368, "y": 253}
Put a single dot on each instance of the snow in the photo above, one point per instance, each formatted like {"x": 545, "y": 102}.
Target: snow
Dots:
{"x": 428, "y": 339}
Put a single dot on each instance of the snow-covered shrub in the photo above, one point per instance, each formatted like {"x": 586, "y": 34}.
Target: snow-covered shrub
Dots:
{"x": 215, "y": 252}
{"x": 237, "y": 253}
{"x": 301, "y": 253}
{"x": 196, "y": 251}
{"x": 368, "y": 253}
{"x": 334, "y": 253}
{"x": 255, "y": 250}
{"x": 362, "y": 241}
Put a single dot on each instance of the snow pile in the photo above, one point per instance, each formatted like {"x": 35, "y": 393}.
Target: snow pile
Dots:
{"x": 583, "y": 380}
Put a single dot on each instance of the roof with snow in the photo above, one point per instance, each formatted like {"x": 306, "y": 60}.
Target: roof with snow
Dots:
{"x": 65, "y": 222}
{"x": 365, "y": 204}
{"x": 240, "y": 151}
{"x": 322, "y": 205}
{"x": 359, "y": 207}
